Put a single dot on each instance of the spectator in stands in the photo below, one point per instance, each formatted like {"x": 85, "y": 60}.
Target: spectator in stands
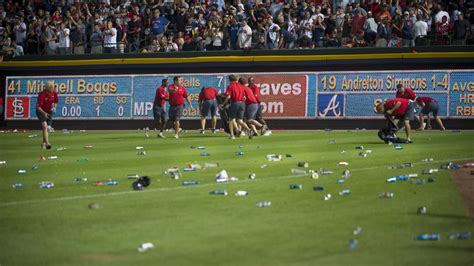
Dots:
{"x": 271, "y": 34}
{"x": 134, "y": 29}
{"x": 96, "y": 40}
{"x": 245, "y": 35}
{"x": 171, "y": 46}
{"x": 233, "y": 31}
{"x": 370, "y": 28}
{"x": 357, "y": 23}
{"x": 110, "y": 38}
{"x": 442, "y": 31}
{"x": 420, "y": 31}
{"x": 461, "y": 30}
{"x": 64, "y": 39}
{"x": 319, "y": 30}
{"x": 189, "y": 44}
{"x": 20, "y": 31}
{"x": 79, "y": 36}
{"x": 407, "y": 31}
{"x": 32, "y": 42}
{"x": 49, "y": 39}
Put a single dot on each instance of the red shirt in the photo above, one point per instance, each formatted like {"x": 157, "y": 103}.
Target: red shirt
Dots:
{"x": 46, "y": 100}
{"x": 235, "y": 91}
{"x": 425, "y": 100}
{"x": 409, "y": 94}
{"x": 249, "y": 96}
{"x": 177, "y": 95}
{"x": 256, "y": 92}
{"x": 207, "y": 94}
{"x": 401, "y": 110}
{"x": 160, "y": 96}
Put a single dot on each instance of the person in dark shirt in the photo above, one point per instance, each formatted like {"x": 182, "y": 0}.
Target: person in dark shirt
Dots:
{"x": 180, "y": 20}
{"x": 189, "y": 44}
{"x": 461, "y": 30}
{"x": 134, "y": 29}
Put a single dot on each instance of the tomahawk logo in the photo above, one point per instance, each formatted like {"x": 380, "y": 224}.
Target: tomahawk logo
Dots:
{"x": 332, "y": 105}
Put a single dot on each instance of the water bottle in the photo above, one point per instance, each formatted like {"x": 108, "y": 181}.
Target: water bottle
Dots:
{"x": 398, "y": 147}
{"x": 318, "y": 188}
{"x": 391, "y": 180}
{"x": 363, "y": 154}
{"x": 386, "y": 195}
{"x": 241, "y": 193}
{"x": 262, "y": 204}
{"x": 46, "y": 184}
{"x": 204, "y": 153}
{"x": 401, "y": 177}
{"x": 252, "y": 176}
{"x": 34, "y": 167}
{"x": 298, "y": 186}
{"x": 211, "y": 165}
{"x": 190, "y": 182}
{"x": 53, "y": 157}
{"x": 3, "y": 162}
{"x": 201, "y": 147}
{"x": 195, "y": 166}
{"x": 428, "y": 237}
{"x": 412, "y": 175}
{"x": 33, "y": 136}
{"x": 346, "y": 174}
{"x": 327, "y": 197}
{"x": 133, "y": 176}
{"x": 88, "y": 147}
{"x": 353, "y": 243}
{"x": 314, "y": 175}
{"x": 429, "y": 171}
{"x": 111, "y": 182}
{"x": 422, "y": 210}
{"x": 80, "y": 179}
{"x": 343, "y": 151}
{"x": 218, "y": 192}
{"x": 263, "y": 166}
{"x": 325, "y": 172}
{"x": 21, "y": 171}
{"x": 340, "y": 180}
{"x": 359, "y": 147}
{"x": 61, "y": 149}
{"x": 17, "y": 185}
{"x": 139, "y": 148}
{"x": 459, "y": 235}
{"x": 239, "y": 153}
{"x": 345, "y": 192}
{"x": 189, "y": 169}
{"x": 303, "y": 164}
{"x": 145, "y": 246}
{"x": 343, "y": 164}
{"x": 427, "y": 160}
{"x": 298, "y": 171}
{"x": 141, "y": 152}
{"x": 357, "y": 230}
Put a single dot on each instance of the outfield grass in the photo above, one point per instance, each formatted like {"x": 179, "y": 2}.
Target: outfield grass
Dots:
{"x": 190, "y": 227}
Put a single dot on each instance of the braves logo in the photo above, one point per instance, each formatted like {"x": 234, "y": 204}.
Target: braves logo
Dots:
{"x": 333, "y": 106}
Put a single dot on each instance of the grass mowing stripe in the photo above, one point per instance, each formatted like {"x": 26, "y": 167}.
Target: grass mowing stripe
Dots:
{"x": 15, "y": 203}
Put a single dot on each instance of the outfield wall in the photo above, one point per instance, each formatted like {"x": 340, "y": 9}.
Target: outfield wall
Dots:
{"x": 303, "y": 90}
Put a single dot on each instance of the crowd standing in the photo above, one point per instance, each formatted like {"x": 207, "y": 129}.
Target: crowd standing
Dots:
{"x": 116, "y": 26}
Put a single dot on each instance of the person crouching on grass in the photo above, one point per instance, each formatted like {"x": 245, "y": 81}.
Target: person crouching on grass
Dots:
{"x": 398, "y": 108}
{"x": 45, "y": 107}
{"x": 429, "y": 105}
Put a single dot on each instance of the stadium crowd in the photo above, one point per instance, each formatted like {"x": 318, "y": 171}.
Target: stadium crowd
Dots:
{"x": 118, "y": 26}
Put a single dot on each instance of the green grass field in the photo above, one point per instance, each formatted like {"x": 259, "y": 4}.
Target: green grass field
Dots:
{"x": 190, "y": 227}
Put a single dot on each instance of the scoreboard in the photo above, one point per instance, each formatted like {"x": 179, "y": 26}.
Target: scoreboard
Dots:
{"x": 307, "y": 95}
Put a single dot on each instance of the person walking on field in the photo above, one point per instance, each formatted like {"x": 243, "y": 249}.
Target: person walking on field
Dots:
{"x": 45, "y": 107}
{"x": 208, "y": 104}
{"x": 159, "y": 113}
{"x": 177, "y": 94}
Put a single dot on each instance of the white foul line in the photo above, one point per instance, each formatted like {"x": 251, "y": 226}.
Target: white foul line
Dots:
{"x": 15, "y": 203}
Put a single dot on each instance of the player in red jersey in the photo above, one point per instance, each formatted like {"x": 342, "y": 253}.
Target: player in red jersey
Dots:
{"x": 159, "y": 113}
{"x": 251, "y": 108}
{"x": 398, "y": 108}
{"x": 177, "y": 95}
{"x": 208, "y": 103}
{"x": 405, "y": 93}
{"x": 429, "y": 105}
{"x": 45, "y": 107}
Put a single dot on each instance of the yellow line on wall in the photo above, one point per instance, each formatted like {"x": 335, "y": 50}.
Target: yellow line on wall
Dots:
{"x": 221, "y": 59}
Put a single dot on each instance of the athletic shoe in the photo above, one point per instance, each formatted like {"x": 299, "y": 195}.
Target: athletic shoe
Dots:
{"x": 263, "y": 129}
{"x": 176, "y": 136}
{"x": 160, "y": 135}
{"x": 267, "y": 133}
{"x": 250, "y": 134}
{"x": 180, "y": 131}
{"x": 43, "y": 146}
{"x": 201, "y": 131}
{"x": 48, "y": 146}
{"x": 50, "y": 129}
{"x": 214, "y": 131}
{"x": 231, "y": 137}
{"x": 242, "y": 134}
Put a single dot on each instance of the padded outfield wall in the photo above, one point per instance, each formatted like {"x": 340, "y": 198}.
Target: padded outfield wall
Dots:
{"x": 307, "y": 94}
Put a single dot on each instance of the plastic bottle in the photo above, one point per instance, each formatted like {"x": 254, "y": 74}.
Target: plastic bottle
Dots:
{"x": 346, "y": 174}
{"x": 427, "y": 160}
{"x": 303, "y": 164}
{"x": 398, "y": 147}
{"x": 80, "y": 179}
{"x": 263, "y": 166}
{"x": 52, "y": 157}
{"x": 345, "y": 192}
{"x": 111, "y": 182}
{"x": 422, "y": 210}
{"x": 263, "y": 204}
{"x": 218, "y": 192}
{"x": 239, "y": 153}
{"x": 401, "y": 177}
{"x": 340, "y": 180}
{"x": 359, "y": 147}
{"x": 141, "y": 152}
{"x": 195, "y": 166}
{"x": 386, "y": 195}
{"x": 459, "y": 235}
{"x": 325, "y": 172}
{"x": 252, "y": 176}
{"x": 327, "y": 197}
{"x": 204, "y": 153}
{"x": 298, "y": 186}
{"x": 133, "y": 176}
{"x": 211, "y": 165}
{"x": 241, "y": 193}
{"x": 391, "y": 180}
{"x": 189, "y": 169}
{"x": 429, "y": 171}
{"x": 318, "y": 188}
{"x": 298, "y": 171}
{"x": 46, "y": 184}
{"x": 3, "y": 162}
{"x": 428, "y": 237}
{"x": 190, "y": 182}
{"x": 34, "y": 167}
{"x": 17, "y": 185}
{"x": 357, "y": 230}
{"x": 22, "y": 171}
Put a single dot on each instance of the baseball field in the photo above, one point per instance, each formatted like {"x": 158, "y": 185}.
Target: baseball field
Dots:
{"x": 84, "y": 221}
